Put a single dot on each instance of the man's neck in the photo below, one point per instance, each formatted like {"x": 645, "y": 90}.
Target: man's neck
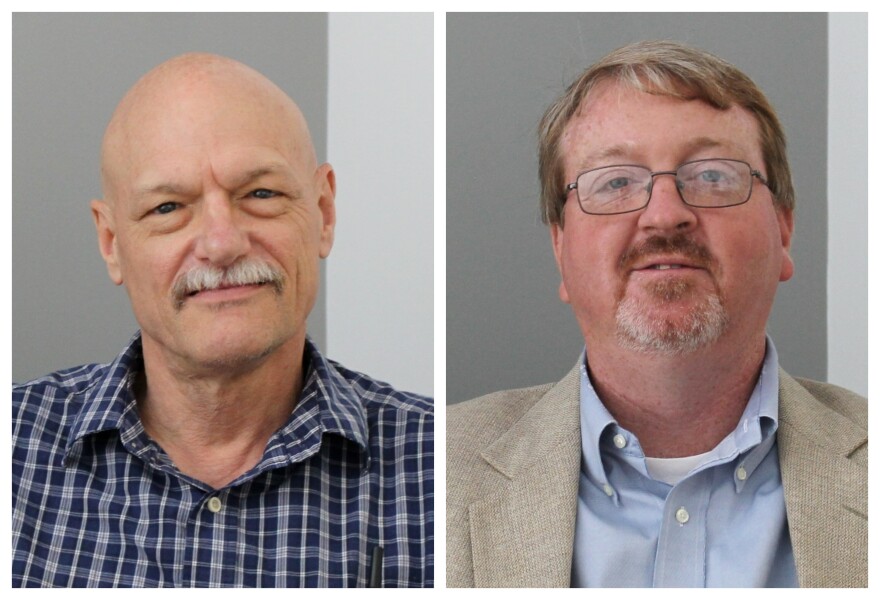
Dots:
{"x": 215, "y": 426}
{"x": 678, "y": 405}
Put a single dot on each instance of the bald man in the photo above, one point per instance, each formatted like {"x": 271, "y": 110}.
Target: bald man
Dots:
{"x": 220, "y": 448}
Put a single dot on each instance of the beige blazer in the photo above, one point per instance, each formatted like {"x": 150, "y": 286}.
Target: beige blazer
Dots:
{"x": 512, "y": 466}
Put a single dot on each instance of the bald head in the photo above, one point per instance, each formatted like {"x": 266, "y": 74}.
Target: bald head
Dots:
{"x": 207, "y": 96}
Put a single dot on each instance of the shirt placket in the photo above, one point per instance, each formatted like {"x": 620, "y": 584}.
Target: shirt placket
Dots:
{"x": 681, "y": 548}
{"x": 213, "y": 539}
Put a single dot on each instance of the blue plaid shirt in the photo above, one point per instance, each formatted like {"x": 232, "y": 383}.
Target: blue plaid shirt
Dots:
{"x": 97, "y": 503}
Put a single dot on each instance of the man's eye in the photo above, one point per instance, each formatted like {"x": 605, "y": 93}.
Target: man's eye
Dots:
{"x": 263, "y": 193}
{"x": 618, "y": 183}
{"x": 166, "y": 207}
{"x": 614, "y": 186}
{"x": 712, "y": 176}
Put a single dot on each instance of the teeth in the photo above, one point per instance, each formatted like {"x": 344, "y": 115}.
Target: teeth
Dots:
{"x": 664, "y": 267}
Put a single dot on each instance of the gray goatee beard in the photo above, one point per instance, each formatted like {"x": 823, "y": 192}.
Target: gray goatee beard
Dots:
{"x": 640, "y": 330}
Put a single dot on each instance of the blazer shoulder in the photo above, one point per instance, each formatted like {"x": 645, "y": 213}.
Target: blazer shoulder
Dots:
{"x": 477, "y": 422}
{"x": 840, "y": 400}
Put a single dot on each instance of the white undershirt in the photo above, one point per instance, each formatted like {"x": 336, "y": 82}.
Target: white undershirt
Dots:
{"x": 673, "y": 470}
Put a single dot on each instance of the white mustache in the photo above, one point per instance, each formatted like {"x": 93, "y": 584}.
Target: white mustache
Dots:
{"x": 209, "y": 277}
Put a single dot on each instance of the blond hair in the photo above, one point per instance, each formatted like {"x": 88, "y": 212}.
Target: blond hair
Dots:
{"x": 669, "y": 69}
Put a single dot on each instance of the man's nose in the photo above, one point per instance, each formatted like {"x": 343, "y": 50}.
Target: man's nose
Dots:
{"x": 666, "y": 209}
{"x": 222, "y": 240}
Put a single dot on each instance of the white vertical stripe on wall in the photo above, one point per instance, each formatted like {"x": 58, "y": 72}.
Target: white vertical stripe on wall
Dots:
{"x": 848, "y": 201}
{"x": 380, "y": 142}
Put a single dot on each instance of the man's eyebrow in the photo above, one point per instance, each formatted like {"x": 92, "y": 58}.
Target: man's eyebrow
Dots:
{"x": 256, "y": 173}
{"x": 706, "y": 143}
{"x": 611, "y": 152}
{"x": 625, "y": 151}
{"x": 172, "y": 189}
{"x": 165, "y": 189}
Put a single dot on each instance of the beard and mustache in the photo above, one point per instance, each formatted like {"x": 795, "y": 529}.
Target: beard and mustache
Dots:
{"x": 641, "y": 327}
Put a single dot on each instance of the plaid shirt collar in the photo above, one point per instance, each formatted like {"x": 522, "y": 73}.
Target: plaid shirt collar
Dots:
{"x": 327, "y": 405}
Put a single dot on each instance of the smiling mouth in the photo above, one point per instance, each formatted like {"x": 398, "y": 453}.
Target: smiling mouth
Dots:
{"x": 226, "y": 287}
{"x": 672, "y": 267}
{"x": 668, "y": 267}
{"x": 660, "y": 253}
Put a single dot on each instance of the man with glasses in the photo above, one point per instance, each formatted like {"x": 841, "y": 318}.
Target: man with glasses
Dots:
{"x": 676, "y": 453}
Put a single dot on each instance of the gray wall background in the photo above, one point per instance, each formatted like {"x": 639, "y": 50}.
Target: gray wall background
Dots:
{"x": 506, "y": 326}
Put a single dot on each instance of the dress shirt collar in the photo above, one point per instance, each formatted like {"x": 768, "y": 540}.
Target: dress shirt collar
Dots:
{"x": 756, "y": 427}
{"x": 327, "y": 404}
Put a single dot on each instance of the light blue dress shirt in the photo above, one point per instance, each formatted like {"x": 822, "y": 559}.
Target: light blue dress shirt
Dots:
{"x": 722, "y": 525}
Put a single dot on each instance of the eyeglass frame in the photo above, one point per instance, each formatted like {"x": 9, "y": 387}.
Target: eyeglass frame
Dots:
{"x": 753, "y": 173}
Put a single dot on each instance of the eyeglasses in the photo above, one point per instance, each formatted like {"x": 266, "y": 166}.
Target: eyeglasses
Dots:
{"x": 708, "y": 183}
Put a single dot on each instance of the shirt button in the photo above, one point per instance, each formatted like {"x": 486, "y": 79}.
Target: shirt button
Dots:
{"x": 214, "y": 504}
{"x": 608, "y": 489}
{"x": 682, "y": 516}
{"x": 619, "y": 441}
{"x": 741, "y": 474}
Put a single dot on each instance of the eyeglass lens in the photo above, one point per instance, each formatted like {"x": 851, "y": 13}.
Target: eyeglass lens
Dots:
{"x": 704, "y": 183}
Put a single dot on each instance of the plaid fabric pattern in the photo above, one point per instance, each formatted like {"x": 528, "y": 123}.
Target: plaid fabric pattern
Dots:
{"x": 97, "y": 503}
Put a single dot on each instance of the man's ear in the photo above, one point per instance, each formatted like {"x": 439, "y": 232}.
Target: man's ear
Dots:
{"x": 785, "y": 216}
{"x": 325, "y": 183}
{"x": 102, "y": 213}
{"x": 557, "y": 237}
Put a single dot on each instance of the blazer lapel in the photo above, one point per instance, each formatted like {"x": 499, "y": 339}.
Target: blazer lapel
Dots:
{"x": 825, "y": 491}
{"x": 523, "y": 533}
